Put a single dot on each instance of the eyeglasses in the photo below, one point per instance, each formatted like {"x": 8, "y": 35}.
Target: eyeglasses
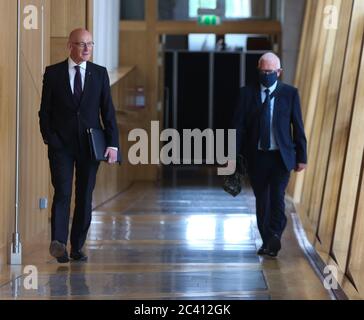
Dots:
{"x": 83, "y": 45}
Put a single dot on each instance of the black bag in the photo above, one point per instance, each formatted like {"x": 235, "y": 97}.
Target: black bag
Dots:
{"x": 233, "y": 183}
{"x": 97, "y": 141}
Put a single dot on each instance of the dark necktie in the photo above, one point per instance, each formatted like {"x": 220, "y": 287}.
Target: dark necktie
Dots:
{"x": 265, "y": 123}
{"x": 77, "y": 88}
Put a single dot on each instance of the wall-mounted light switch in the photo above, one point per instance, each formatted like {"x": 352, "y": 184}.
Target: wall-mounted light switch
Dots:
{"x": 43, "y": 203}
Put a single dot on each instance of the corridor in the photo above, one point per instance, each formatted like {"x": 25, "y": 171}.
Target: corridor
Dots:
{"x": 182, "y": 238}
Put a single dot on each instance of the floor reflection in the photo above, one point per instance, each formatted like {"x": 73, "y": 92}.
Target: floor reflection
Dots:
{"x": 182, "y": 239}
{"x": 80, "y": 285}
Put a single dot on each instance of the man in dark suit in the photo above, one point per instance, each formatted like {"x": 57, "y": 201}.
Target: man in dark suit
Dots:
{"x": 75, "y": 93}
{"x": 271, "y": 137}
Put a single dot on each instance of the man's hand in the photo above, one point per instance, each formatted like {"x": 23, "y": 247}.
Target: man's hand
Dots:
{"x": 112, "y": 155}
{"x": 300, "y": 167}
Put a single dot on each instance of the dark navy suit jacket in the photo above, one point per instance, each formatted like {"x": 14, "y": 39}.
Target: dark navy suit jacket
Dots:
{"x": 62, "y": 121}
{"x": 287, "y": 124}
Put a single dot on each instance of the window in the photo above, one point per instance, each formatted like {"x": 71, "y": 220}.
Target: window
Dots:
{"x": 201, "y": 42}
{"x": 238, "y": 9}
{"x": 194, "y": 5}
{"x": 132, "y": 9}
{"x": 184, "y": 10}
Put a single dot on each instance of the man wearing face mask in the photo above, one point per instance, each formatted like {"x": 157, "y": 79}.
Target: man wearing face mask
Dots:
{"x": 271, "y": 137}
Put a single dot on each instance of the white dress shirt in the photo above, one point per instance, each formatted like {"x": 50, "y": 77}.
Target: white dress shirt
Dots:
{"x": 72, "y": 74}
{"x": 273, "y": 143}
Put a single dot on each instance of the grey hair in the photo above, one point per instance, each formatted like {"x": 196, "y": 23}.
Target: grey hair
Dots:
{"x": 270, "y": 56}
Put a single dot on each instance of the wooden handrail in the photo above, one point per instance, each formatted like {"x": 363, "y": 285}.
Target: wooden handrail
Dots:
{"x": 120, "y": 73}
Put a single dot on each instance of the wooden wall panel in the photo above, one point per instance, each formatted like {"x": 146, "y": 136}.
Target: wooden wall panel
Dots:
{"x": 314, "y": 53}
{"x": 353, "y": 167}
{"x": 330, "y": 110}
{"x": 33, "y": 179}
{"x": 356, "y": 257}
{"x": 331, "y": 200}
{"x": 321, "y": 85}
{"x": 8, "y": 12}
{"x": 305, "y": 42}
{"x": 316, "y": 36}
{"x": 66, "y": 16}
{"x": 316, "y": 92}
{"x": 269, "y": 27}
{"x": 333, "y": 183}
{"x": 320, "y": 113}
{"x": 302, "y": 72}
{"x": 133, "y": 45}
{"x": 33, "y": 156}
{"x": 59, "y": 51}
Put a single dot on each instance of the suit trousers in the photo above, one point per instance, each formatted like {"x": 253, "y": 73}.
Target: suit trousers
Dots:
{"x": 63, "y": 163}
{"x": 269, "y": 178}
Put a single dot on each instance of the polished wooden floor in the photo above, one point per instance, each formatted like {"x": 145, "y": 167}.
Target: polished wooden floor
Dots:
{"x": 183, "y": 238}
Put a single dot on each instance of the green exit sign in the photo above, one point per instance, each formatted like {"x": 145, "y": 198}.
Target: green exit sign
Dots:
{"x": 209, "y": 20}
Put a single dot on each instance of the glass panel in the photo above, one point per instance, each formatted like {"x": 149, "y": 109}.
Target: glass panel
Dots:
{"x": 226, "y": 9}
{"x": 236, "y": 42}
{"x": 132, "y": 9}
{"x": 201, "y": 42}
{"x": 194, "y": 5}
{"x": 216, "y": 42}
{"x": 238, "y": 9}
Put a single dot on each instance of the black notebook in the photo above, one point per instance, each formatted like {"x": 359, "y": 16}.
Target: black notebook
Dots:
{"x": 98, "y": 145}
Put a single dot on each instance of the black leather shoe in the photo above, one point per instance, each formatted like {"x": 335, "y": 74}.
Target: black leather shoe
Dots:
{"x": 78, "y": 256}
{"x": 57, "y": 249}
{"x": 262, "y": 251}
{"x": 272, "y": 254}
{"x": 274, "y": 246}
{"x": 64, "y": 258}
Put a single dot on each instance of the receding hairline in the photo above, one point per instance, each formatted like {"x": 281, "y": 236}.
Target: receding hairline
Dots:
{"x": 78, "y": 31}
{"x": 271, "y": 57}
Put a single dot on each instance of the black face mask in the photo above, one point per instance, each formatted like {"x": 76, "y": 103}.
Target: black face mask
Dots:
{"x": 267, "y": 80}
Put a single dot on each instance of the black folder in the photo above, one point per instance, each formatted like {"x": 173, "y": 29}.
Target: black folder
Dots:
{"x": 98, "y": 145}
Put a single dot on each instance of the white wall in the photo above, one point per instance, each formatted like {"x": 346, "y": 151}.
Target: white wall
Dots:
{"x": 106, "y": 33}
